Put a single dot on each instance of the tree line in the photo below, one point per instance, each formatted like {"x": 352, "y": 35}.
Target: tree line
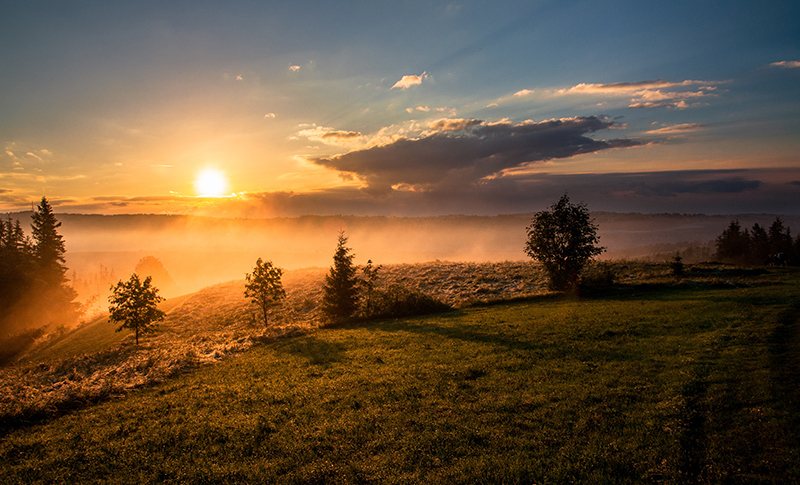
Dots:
{"x": 34, "y": 291}
{"x": 758, "y": 246}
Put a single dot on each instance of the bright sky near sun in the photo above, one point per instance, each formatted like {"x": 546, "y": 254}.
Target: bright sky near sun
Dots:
{"x": 264, "y": 109}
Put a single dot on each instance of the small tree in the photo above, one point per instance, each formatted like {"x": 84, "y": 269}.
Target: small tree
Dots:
{"x": 134, "y": 303}
{"x": 340, "y": 298}
{"x": 563, "y": 239}
{"x": 264, "y": 287}
{"x": 368, "y": 281}
{"x": 676, "y": 265}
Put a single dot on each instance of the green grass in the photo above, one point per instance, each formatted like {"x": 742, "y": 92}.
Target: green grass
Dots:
{"x": 95, "y": 336}
{"x": 666, "y": 384}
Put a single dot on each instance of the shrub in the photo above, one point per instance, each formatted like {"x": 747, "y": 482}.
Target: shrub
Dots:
{"x": 399, "y": 301}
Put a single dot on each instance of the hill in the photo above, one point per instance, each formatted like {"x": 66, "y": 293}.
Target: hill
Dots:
{"x": 94, "y": 362}
{"x": 202, "y": 251}
{"x": 649, "y": 381}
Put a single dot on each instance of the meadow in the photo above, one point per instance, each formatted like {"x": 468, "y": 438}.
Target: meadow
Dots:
{"x": 648, "y": 380}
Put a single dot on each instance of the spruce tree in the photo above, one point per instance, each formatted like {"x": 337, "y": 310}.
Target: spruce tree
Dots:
{"x": 340, "y": 298}
{"x": 49, "y": 245}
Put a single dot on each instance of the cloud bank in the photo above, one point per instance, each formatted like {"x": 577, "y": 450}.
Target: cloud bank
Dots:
{"x": 464, "y": 151}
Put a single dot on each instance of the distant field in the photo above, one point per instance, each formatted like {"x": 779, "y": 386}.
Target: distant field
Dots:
{"x": 657, "y": 382}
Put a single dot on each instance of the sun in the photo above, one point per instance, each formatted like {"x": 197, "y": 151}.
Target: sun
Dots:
{"x": 211, "y": 183}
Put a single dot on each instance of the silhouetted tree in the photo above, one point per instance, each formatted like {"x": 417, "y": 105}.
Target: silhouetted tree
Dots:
{"x": 134, "y": 303}
{"x": 368, "y": 281}
{"x": 563, "y": 239}
{"x": 780, "y": 239}
{"x": 264, "y": 287}
{"x": 17, "y": 267}
{"x": 49, "y": 245}
{"x": 676, "y": 265}
{"x": 340, "y": 297}
{"x": 758, "y": 250}
{"x": 733, "y": 244}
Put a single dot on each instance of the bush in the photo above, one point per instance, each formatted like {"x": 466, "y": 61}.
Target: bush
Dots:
{"x": 399, "y": 301}
{"x": 598, "y": 276}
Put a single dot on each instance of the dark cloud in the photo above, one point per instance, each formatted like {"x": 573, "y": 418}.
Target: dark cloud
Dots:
{"x": 692, "y": 191}
{"x": 465, "y": 151}
{"x": 689, "y": 191}
{"x": 340, "y": 135}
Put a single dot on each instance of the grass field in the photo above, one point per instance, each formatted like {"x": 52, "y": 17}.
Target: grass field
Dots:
{"x": 697, "y": 382}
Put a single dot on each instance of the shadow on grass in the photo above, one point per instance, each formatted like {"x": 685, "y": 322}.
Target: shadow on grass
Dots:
{"x": 784, "y": 366}
{"x": 316, "y": 351}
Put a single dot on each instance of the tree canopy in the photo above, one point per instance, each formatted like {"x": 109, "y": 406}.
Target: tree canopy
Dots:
{"x": 264, "y": 287}
{"x": 134, "y": 304}
{"x": 563, "y": 239}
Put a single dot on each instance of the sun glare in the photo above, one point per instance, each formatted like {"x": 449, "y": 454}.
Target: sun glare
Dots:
{"x": 211, "y": 183}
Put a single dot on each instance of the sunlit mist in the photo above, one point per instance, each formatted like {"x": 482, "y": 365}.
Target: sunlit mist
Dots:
{"x": 211, "y": 183}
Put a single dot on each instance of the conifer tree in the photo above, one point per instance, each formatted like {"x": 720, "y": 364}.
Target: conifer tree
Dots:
{"x": 49, "y": 244}
{"x": 340, "y": 298}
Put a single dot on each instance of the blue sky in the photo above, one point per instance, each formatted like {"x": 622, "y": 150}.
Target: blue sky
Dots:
{"x": 263, "y": 109}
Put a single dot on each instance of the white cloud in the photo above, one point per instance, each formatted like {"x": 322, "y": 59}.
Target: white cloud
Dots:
{"x": 239, "y": 77}
{"x": 270, "y": 115}
{"x": 408, "y": 81}
{"x": 294, "y": 68}
{"x": 330, "y": 136}
{"x": 524, "y": 92}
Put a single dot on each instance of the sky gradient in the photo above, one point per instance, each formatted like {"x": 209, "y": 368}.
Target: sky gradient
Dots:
{"x": 261, "y": 109}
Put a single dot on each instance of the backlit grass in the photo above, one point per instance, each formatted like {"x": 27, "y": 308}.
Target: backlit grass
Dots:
{"x": 691, "y": 383}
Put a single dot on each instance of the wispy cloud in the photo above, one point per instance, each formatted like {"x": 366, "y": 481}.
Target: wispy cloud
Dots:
{"x": 270, "y": 115}
{"x": 681, "y": 128}
{"x": 294, "y": 68}
{"x": 626, "y": 87}
{"x": 656, "y": 93}
{"x": 407, "y": 81}
{"x": 786, "y": 64}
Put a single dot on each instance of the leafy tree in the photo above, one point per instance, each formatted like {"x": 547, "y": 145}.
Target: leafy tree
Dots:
{"x": 134, "y": 303}
{"x": 264, "y": 287}
{"x": 563, "y": 239}
{"x": 340, "y": 297}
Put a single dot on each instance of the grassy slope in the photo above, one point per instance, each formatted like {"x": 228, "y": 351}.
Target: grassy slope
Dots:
{"x": 659, "y": 384}
{"x": 95, "y": 336}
